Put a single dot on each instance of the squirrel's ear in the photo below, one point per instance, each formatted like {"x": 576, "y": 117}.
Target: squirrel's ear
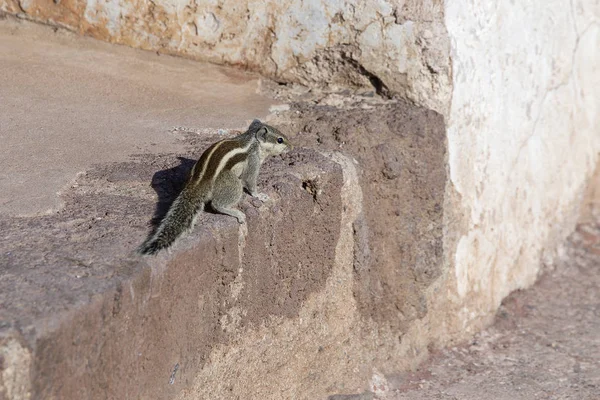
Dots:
{"x": 261, "y": 134}
{"x": 255, "y": 125}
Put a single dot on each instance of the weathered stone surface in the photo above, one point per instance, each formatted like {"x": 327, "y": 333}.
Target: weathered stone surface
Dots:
{"x": 357, "y": 326}
{"x": 400, "y": 153}
{"x": 98, "y": 321}
{"x": 82, "y": 316}
{"x": 523, "y": 141}
{"x": 400, "y": 47}
{"x": 433, "y": 230}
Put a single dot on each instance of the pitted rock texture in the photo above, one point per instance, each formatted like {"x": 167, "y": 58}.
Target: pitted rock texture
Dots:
{"x": 100, "y": 322}
{"x": 399, "y": 47}
{"x": 400, "y": 153}
{"x": 301, "y": 287}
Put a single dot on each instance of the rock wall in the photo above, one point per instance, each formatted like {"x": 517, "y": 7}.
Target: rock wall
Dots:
{"x": 393, "y": 46}
{"x": 437, "y": 225}
{"x": 523, "y": 138}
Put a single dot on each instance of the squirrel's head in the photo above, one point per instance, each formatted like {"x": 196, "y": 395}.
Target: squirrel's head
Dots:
{"x": 271, "y": 140}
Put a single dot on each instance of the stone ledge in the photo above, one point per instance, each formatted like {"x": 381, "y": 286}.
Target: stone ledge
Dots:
{"x": 308, "y": 297}
{"x": 109, "y": 323}
{"x": 334, "y": 290}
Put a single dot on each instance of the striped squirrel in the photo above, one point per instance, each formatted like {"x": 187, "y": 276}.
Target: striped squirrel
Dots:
{"x": 219, "y": 178}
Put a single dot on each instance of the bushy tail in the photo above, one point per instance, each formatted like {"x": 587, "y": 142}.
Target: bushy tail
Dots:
{"x": 179, "y": 219}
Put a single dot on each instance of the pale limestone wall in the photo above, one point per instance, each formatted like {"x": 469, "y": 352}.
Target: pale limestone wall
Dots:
{"x": 523, "y": 137}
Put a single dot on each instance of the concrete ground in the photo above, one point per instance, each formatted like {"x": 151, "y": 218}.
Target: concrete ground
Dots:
{"x": 544, "y": 344}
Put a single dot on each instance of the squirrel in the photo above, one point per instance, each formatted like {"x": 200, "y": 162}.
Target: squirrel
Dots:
{"x": 219, "y": 178}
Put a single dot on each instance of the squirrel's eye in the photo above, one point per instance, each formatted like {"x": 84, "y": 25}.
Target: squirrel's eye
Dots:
{"x": 279, "y": 140}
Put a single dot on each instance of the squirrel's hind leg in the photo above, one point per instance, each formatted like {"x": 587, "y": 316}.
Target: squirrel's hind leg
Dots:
{"x": 227, "y": 193}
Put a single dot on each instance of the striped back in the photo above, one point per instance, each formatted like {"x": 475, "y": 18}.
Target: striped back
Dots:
{"x": 221, "y": 155}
